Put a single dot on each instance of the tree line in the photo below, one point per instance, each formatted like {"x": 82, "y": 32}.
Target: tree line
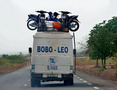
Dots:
{"x": 102, "y": 42}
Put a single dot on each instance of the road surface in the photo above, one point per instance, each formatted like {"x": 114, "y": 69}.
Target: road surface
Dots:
{"x": 20, "y": 80}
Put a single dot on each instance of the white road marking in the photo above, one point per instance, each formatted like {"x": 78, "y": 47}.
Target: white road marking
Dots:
{"x": 81, "y": 79}
{"x": 25, "y": 85}
{"x": 89, "y": 83}
{"x": 84, "y": 81}
{"x": 95, "y": 87}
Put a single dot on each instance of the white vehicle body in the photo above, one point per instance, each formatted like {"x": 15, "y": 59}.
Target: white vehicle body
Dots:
{"x": 52, "y": 58}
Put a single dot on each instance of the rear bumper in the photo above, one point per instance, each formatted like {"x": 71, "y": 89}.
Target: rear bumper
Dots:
{"x": 41, "y": 77}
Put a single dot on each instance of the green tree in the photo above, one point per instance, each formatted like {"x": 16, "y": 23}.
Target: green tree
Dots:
{"x": 5, "y": 55}
{"x": 101, "y": 43}
{"x": 112, "y": 25}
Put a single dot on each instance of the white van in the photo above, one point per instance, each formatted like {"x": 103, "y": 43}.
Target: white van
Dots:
{"x": 52, "y": 58}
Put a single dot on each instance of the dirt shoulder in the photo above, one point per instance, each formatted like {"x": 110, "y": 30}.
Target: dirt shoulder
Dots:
{"x": 89, "y": 67}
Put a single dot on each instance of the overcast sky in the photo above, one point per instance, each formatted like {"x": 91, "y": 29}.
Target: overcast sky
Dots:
{"x": 16, "y": 37}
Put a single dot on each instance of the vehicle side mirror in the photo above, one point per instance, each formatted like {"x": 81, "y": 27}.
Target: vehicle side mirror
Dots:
{"x": 30, "y": 50}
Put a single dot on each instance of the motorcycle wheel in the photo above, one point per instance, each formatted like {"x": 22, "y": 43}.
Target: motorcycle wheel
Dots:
{"x": 31, "y": 24}
{"x": 74, "y": 26}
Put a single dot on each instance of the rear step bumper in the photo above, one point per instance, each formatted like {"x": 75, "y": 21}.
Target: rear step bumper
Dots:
{"x": 40, "y": 77}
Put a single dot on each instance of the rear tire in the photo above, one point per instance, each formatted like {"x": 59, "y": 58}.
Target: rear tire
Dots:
{"x": 32, "y": 83}
{"x": 65, "y": 82}
{"x": 71, "y": 82}
{"x": 38, "y": 83}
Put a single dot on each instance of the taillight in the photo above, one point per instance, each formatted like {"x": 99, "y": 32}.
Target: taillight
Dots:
{"x": 67, "y": 76}
{"x": 38, "y": 75}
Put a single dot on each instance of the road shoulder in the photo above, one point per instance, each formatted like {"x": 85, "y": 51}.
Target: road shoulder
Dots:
{"x": 101, "y": 83}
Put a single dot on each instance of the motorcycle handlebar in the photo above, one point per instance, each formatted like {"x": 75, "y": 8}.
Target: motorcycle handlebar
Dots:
{"x": 41, "y": 12}
{"x": 65, "y": 12}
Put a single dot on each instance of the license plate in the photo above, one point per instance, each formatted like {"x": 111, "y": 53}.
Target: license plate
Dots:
{"x": 63, "y": 17}
{"x": 52, "y": 67}
{"x": 42, "y": 17}
{"x": 52, "y": 75}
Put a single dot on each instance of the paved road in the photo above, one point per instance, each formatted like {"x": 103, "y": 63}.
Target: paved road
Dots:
{"x": 20, "y": 80}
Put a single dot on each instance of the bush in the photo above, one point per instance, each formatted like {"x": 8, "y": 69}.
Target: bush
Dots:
{"x": 101, "y": 70}
{"x": 88, "y": 59}
{"x": 115, "y": 67}
{"x": 116, "y": 73}
{"x": 1, "y": 61}
{"x": 110, "y": 63}
{"x": 16, "y": 59}
{"x": 104, "y": 66}
{"x": 11, "y": 60}
{"x": 114, "y": 59}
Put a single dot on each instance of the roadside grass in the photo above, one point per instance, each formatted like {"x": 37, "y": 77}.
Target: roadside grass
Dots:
{"x": 88, "y": 60}
{"x": 6, "y": 63}
{"x": 11, "y": 60}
